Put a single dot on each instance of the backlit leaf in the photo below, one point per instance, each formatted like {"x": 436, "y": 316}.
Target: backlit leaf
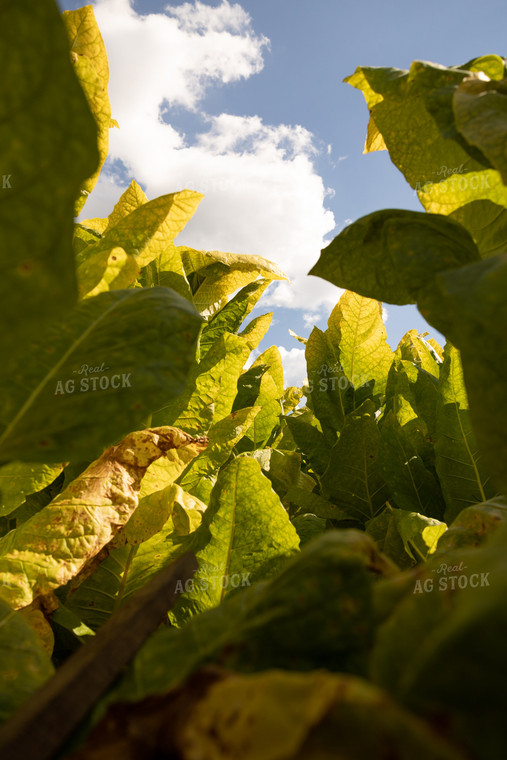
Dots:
{"x": 458, "y": 464}
{"x": 56, "y": 544}
{"x": 353, "y": 479}
{"x": 401, "y": 251}
{"x": 95, "y": 376}
{"x": 246, "y": 536}
{"x": 47, "y": 148}
{"x": 89, "y": 58}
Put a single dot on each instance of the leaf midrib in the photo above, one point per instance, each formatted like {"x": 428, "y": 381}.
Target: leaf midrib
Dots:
{"x": 40, "y": 387}
{"x": 231, "y": 535}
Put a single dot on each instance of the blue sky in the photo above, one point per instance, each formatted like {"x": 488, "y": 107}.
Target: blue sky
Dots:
{"x": 245, "y": 102}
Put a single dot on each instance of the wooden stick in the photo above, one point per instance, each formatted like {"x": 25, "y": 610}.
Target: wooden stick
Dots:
{"x": 39, "y": 728}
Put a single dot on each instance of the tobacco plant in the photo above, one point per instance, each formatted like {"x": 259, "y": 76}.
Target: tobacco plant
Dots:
{"x": 349, "y": 536}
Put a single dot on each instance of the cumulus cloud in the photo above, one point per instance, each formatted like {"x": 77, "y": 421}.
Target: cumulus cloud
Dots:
{"x": 310, "y": 320}
{"x": 294, "y": 366}
{"x": 263, "y": 194}
{"x": 176, "y": 55}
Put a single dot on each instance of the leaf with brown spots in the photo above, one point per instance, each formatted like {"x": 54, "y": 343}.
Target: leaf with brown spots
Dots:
{"x": 58, "y": 542}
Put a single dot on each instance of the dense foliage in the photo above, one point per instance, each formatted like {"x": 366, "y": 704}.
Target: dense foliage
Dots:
{"x": 350, "y": 535}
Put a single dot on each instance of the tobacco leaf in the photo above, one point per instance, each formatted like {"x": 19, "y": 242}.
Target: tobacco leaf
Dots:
{"x": 63, "y": 539}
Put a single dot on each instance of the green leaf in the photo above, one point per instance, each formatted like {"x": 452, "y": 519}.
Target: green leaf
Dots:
{"x": 330, "y": 394}
{"x": 24, "y": 663}
{"x": 155, "y": 510}
{"x": 200, "y": 476}
{"x": 311, "y": 442}
{"x": 216, "y": 275}
{"x": 246, "y": 536}
{"x": 487, "y": 223}
{"x": 308, "y": 527}
{"x": 401, "y": 252}
{"x": 384, "y": 530}
{"x": 269, "y": 398}
{"x": 307, "y": 502}
{"x": 167, "y": 270}
{"x": 471, "y": 303}
{"x": 419, "y": 533}
{"x": 83, "y": 237}
{"x": 458, "y": 464}
{"x": 356, "y": 329}
{"x": 353, "y": 479}
{"x": 480, "y": 109}
{"x": 145, "y": 234}
{"x": 283, "y": 468}
{"x": 248, "y": 385}
{"x": 414, "y": 348}
{"x": 56, "y": 544}
{"x": 47, "y": 148}
{"x": 229, "y": 318}
{"x": 19, "y": 479}
{"x": 447, "y": 172}
{"x": 89, "y": 58}
{"x": 123, "y": 572}
{"x": 269, "y": 624}
{"x": 455, "y": 621}
{"x": 97, "y": 375}
{"x": 474, "y": 525}
{"x": 412, "y": 397}
{"x": 211, "y": 387}
{"x": 412, "y": 485}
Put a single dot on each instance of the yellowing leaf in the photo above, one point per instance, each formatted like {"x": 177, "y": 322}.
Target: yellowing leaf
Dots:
{"x": 424, "y": 354}
{"x": 56, "y": 543}
{"x": 220, "y": 274}
{"x": 211, "y": 387}
{"x": 374, "y": 140}
{"x": 145, "y": 233}
{"x": 133, "y": 197}
{"x": 255, "y": 330}
{"x": 357, "y": 330}
{"x": 269, "y": 398}
{"x": 166, "y": 470}
{"x": 118, "y": 268}
{"x": 279, "y": 715}
{"x": 187, "y": 511}
{"x": 89, "y": 57}
{"x": 97, "y": 225}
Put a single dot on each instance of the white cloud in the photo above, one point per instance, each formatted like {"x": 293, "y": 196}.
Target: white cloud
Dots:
{"x": 310, "y": 320}
{"x": 294, "y": 365}
{"x": 174, "y": 57}
{"x": 262, "y": 193}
